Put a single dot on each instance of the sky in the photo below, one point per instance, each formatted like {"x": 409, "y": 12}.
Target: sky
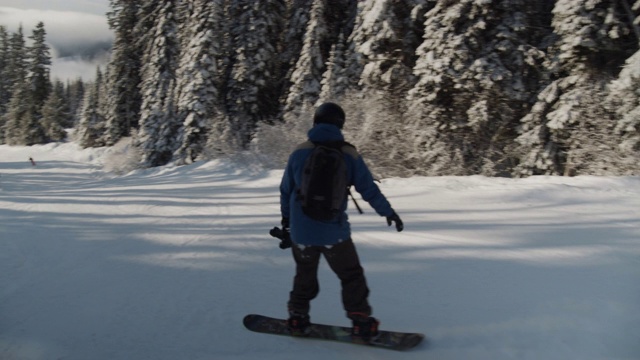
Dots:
{"x": 77, "y": 32}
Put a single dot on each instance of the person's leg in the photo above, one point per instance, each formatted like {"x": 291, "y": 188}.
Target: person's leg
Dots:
{"x": 343, "y": 260}
{"x": 305, "y": 282}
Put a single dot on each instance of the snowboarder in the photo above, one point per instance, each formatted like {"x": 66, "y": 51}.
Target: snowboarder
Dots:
{"x": 33, "y": 163}
{"x": 311, "y": 238}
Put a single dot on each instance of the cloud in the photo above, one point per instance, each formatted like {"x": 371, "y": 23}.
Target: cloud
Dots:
{"x": 99, "y": 7}
{"x": 73, "y": 67}
{"x": 83, "y": 37}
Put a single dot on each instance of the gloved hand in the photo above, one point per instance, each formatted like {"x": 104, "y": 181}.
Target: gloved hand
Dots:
{"x": 285, "y": 242}
{"x": 284, "y": 235}
{"x": 285, "y": 238}
{"x": 396, "y": 219}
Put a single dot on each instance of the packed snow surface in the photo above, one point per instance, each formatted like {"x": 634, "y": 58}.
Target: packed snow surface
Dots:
{"x": 164, "y": 263}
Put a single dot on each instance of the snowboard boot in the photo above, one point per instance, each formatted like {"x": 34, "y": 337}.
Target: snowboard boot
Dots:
{"x": 299, "y": 324}
{"x": 365, "y": 327}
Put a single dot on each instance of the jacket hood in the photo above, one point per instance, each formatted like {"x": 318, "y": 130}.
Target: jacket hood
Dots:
{"x": 325, "y": 133}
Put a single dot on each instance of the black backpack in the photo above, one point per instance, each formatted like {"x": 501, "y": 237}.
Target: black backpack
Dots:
{"x": 324, "y": 186}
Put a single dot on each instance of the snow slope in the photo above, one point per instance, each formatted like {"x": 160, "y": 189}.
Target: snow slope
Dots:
{"x": 164, "y": 263}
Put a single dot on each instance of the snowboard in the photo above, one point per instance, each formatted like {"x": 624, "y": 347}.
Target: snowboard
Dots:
{"x": 392, "y": 340}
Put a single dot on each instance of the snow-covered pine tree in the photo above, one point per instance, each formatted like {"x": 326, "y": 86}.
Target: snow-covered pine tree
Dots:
{"x": 307, "y": 74}
{"x": 5, "y": 85}
{"x": 92, "y": 126}
{"x": 122, "y": 93}
{"x": 477, "y": 69}
{"x": 334, "y": 83}
{"x": 75, "y": 93}
{"x": 384, "y": 40}
{"x": 39, "y": 68}
{"x": 327, "y": 22}
{"x": 354, "y": 60}
{"x": 19, "y": 114}
{"x": 296, "y": 23}
{"x": 157, "y": 137}
{"x": 37, "y": 89}
{"x": 624, "y": 98}
{"x": 198, "y": 99}
{"x": 21, "y": 125}
{"x": 16, "y": 60}
{"x": 592, "y": 40}
{"x": 254, "y": 78}
{"x": 387, "y": 34}
{"x": 314, "y": 29}
{"x": 626, "y": 88}
{"x": 55, "y": 113}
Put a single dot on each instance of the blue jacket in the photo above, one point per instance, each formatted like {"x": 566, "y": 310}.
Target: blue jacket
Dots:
{"x": 306, "y": 231}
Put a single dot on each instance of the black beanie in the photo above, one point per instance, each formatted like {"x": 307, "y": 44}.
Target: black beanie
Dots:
{"x": 329, "y": 113}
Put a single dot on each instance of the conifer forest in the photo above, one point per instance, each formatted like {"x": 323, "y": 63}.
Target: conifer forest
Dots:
{"x": 507, "y": 88}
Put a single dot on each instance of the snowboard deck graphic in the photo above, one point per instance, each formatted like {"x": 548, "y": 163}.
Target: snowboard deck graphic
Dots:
{"x": 392, "y": 340}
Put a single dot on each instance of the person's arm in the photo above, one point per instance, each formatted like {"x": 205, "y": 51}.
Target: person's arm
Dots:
{"x": 286, "y": 188}
{"x": 366, "y": 186}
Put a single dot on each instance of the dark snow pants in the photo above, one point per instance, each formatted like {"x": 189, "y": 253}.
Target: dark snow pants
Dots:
{"x": 343, "y": 260}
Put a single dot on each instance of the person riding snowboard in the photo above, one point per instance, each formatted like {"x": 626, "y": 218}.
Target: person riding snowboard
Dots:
{"x": 317, "y": 227}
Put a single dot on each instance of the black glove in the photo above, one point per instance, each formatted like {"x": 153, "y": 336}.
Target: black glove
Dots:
{"x": 283, "y": 235}
{"x": 396, "y": 219}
